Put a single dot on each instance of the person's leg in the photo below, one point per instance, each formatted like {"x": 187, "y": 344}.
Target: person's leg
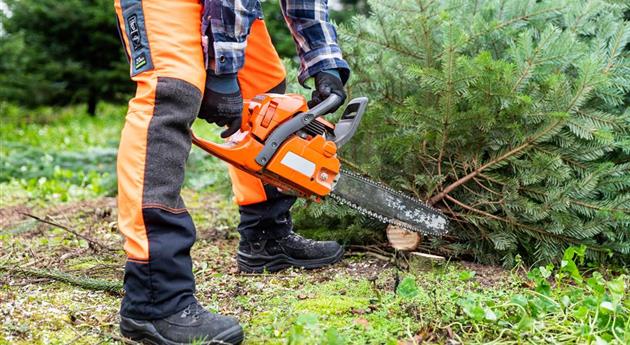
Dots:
{"x": 264, "y": 211}
{"x": 267, "y": 240}
{"x": 163, "y": 42}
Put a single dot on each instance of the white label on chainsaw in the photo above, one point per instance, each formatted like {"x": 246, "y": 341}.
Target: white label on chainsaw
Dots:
{"x": 299, "y": 164}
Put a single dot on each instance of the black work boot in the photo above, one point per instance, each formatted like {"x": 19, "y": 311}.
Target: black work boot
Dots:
{"x": 293, "y": 250}
{"x": 191, "y": 325}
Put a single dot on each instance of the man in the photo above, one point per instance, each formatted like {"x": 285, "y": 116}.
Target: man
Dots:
{"x": 165, "y": 41}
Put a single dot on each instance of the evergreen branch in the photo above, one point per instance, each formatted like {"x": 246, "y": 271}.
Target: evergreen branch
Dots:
{"x": 387, "y": 45}
{"x": 524, "y": 226}
{"x": 469, "y": 190}
{"x": 449, "y": 103}
{"x": 518, "y": 19}
{"x": 615, "y": 48}
{"x": 566, "y": 159}
{"x": 450, "y": 160}
{"x": 353, "y": 166}
{"x": 503, "y": 157}
{"x": 486, "y": 187}
{"x": 443, "y": 145}
{"x": 610, "y": 121}
{"x": 489, "y": 203}
{"x": 599, "y": 208}
{"x": 578, "y": 19}
{"x": 523, "y": 75}
{"x": 510, "y": 22}
{"x": 584, "y": 88}
{"x": 83, "y": 282}
{"x": 493, "y": 180}
{"x": 424, "y": 7}
{"x": 530, "y": 63}
{"x": 455, "y": 215}
{"x": 407, "y": 23}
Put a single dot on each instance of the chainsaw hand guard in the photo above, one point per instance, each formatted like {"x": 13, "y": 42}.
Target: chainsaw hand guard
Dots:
{"x": 349, "y": 122}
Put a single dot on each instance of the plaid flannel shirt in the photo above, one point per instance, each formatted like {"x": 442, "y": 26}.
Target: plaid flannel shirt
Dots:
{"x": 226, "y": 25}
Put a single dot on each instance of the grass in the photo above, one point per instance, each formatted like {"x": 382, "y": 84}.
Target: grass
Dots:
{"x": 59, "y": 165}
{"x": 54, "y": 155}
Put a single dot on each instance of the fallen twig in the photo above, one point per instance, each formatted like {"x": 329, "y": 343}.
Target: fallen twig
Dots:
{"x": 373, "y": 254}
{"x": 119, "y": 338}
{"x": 83, "y": 282}
{"x": 63, "y": 227}
{"x": 373, "y": 251}
{"x": 30, "y": 282}
{"x": 373, "y": 248}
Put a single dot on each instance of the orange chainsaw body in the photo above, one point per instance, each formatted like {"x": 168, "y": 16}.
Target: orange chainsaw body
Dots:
{"x": 304, "y": 163}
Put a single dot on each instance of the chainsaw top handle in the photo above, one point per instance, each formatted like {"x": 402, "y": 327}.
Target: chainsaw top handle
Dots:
{"x": 324, "y": 107}
{"x": 300, "y": 121}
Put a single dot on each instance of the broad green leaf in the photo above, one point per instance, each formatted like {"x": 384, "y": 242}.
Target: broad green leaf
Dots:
{"x": 407, "y": 288}
{"x": 617, "y": 288}
{"x": 525, "y": 323}
{"x": 489, "y": 314}
{"x": 607, "y": 306}
{"x": 467, "y": 275}
{"x": 333, "y": 337}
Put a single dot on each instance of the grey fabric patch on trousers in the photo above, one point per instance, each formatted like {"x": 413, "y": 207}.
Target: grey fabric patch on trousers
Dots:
{"x": 177, "y": 103}
{"x": 135, "y": 29}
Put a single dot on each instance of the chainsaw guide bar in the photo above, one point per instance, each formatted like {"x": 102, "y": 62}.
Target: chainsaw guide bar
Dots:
{"x": 387, "y": 205}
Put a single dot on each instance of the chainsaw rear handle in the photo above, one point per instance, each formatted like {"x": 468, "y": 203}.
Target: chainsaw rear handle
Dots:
{"x": 300, "y": 121}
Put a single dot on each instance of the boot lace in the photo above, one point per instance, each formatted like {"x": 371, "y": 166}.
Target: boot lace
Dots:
{"x": 295, "y": 238}
{"x": 194, "y": 309}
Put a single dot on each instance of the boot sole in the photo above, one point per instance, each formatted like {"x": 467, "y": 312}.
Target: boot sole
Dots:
{"x": 248, "y": 263}
{"x": 144, "y": 332}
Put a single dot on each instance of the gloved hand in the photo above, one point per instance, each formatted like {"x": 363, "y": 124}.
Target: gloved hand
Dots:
{"x": 327, "y": 82}
{"x": 222, "y": 102}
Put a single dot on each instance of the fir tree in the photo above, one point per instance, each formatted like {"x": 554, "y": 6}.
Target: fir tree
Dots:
{"x": 510, "y": 116}
{"x": 61, "y": 52}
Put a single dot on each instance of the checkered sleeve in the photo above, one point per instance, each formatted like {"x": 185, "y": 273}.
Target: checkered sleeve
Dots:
{"x": 226, "y": 25}
{"x": 315, "y": 38}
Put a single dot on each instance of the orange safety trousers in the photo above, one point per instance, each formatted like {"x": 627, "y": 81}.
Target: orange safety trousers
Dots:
{"x": 162, "y": 40}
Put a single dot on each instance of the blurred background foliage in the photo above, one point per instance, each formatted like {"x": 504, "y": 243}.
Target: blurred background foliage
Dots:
{"x": 69, "y": 52}
{"x": 61, "y": 52}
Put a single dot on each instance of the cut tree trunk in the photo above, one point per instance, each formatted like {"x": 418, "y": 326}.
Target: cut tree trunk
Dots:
{"x": 402, "y": 239}
{"x": 424, "y": 261}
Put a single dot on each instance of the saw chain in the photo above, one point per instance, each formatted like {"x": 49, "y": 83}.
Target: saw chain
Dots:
{"x": 378, "y": 201}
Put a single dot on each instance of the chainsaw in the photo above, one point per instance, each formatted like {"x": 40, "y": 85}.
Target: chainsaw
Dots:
{"x": 284, "y": 143}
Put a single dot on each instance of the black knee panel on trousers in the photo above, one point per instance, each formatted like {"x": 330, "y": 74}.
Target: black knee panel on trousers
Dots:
{"x": 164, "y": 284}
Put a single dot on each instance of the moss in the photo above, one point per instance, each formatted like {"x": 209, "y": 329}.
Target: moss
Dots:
{"x": 85, "y": 263}
{"x": 331, "y": 305}
{"x": 55, "y": 314}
